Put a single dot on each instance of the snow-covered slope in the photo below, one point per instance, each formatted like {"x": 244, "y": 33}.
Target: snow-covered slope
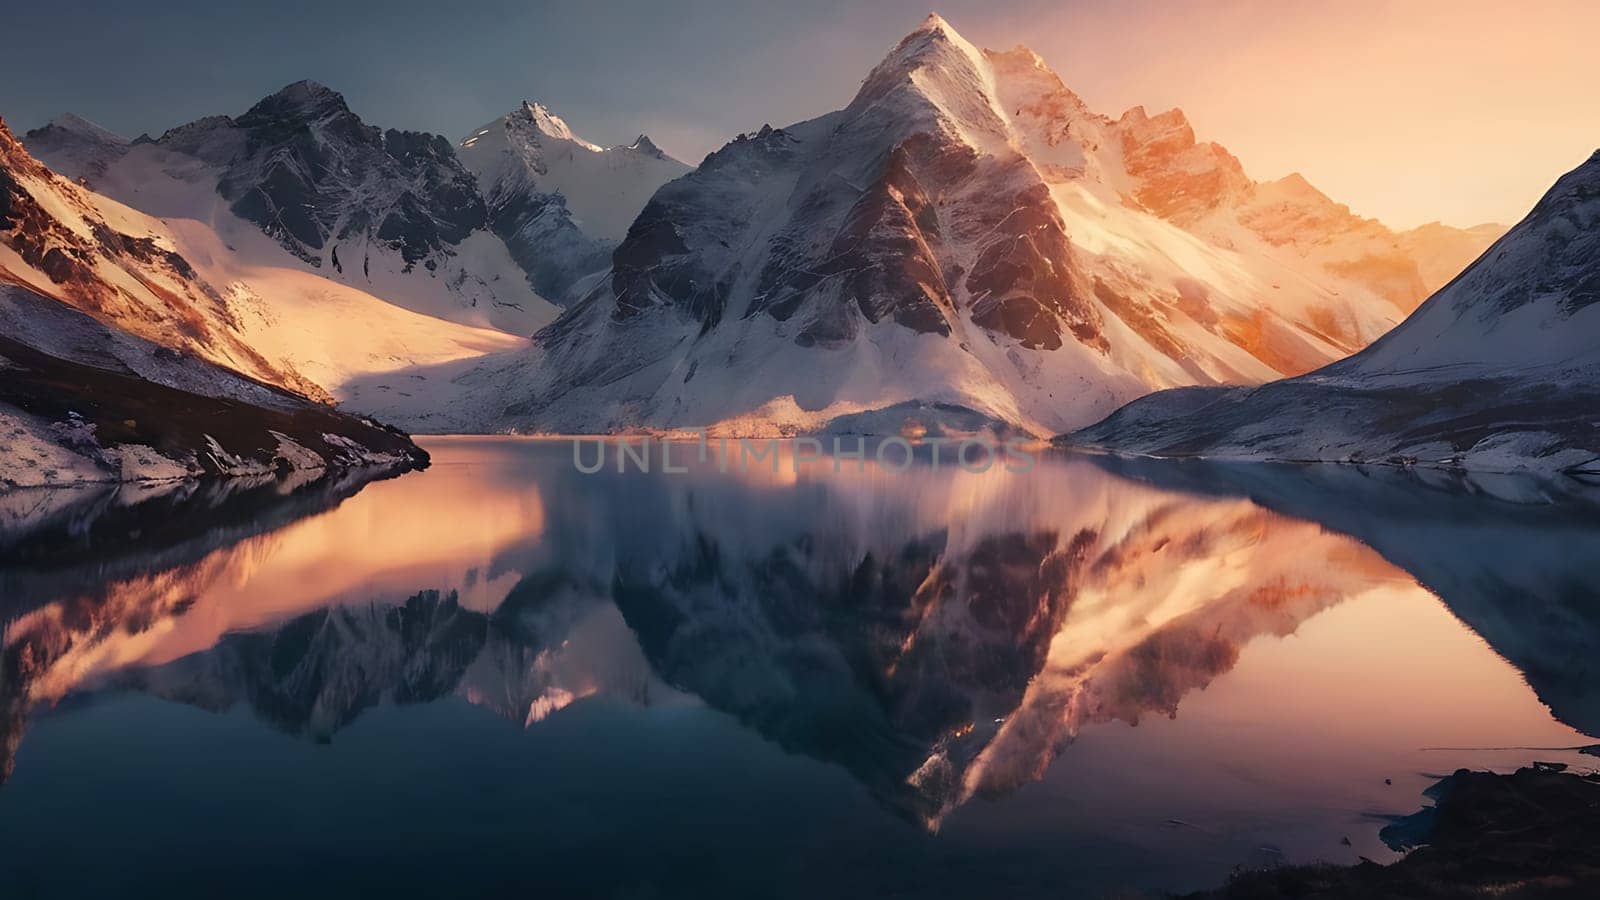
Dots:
{"x": 1203, "y": 188}
{"x": 118, "y": 360}
{"x": 76, "y": 147}
{"x": 391, "y": 213}
{"x": 65, "y": 242}
{"x": 965, "y": 232}
{"x": 1499, "y": 370}
{"x": 82, "y": 402}
{"x": 284, "y": 321}
{"x": 560, "y": 202}
{"x": 1441, "y": 252}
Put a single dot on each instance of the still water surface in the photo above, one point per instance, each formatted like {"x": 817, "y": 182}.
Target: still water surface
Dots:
{"x": 503, "y": 676}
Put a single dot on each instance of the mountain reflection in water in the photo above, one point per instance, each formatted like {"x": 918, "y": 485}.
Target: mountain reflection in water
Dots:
{"x": 940, "y": 636}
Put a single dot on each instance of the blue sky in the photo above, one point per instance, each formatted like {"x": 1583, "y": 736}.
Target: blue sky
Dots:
{"x": 1398, "y": 107}
{"x": 690, "y": 73}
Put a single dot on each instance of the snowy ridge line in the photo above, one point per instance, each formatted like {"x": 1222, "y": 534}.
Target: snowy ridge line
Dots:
{"x": 963, "y": 234}
{"x": 1497, "y": 372}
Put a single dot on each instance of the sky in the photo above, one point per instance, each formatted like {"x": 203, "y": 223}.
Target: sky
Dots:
{"x": 1407, "y": 110}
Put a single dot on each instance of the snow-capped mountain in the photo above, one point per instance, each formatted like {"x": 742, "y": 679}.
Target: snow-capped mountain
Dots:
{"x": 560, "y": 202}
{"x": 122, "y": 362}
{"x": 391, "y": 213}
{"x": 75, "y": 146}
{"x": 1203, "y": 188}
{"x": 1441, "y": 252}
{"x": 65, "y": 242}
{"x": 1499, "y": 370}
{"x": 965, "y": 233}
{"x": 319, "y": 331}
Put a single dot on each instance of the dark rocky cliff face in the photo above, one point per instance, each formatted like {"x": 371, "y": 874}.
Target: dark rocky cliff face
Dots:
{"x": 307, "y": 170}
{"x": 849, "y": 257}
{"x": 545, "y": 241}
{"x": 885, "y": 258}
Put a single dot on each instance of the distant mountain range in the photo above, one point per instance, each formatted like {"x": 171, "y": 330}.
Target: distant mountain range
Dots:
{"x": 1500, "y": 370}
{"x": 294, "y": 246}
{"x": 120, "y": 361}
{"x": 964, "y": 245}
{"x": 560, "y": 203}
{"x": 392, "y": 213}
{"x": 966, "y": 233}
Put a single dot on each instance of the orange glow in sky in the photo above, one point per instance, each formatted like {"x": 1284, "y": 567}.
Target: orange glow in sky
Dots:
{"x": 1407, "y": 110}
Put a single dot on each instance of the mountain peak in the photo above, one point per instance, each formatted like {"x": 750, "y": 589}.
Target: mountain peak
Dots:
{"x": 643, "y": 144}
{"x": 77, "y": 125}
{"x": 1173, "y": 118}
{"x": 1030, "y": 84}
{"x": 7, "y": 139}
{"x": 75, "y": 147}
{"x": 935, "y": 22}
{"x": 307, "y": 100}
{"x": 1020, "y": 55}
{"x": 934, "y": 32}
{"x": 1295, "y": 184}
{"x": 309, "y": 89}
{"x": 551, "y": 125}
{"x": 934, "y": 66}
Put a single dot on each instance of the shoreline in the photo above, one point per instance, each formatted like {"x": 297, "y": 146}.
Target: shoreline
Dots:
{"x": 1534, "y": 833}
